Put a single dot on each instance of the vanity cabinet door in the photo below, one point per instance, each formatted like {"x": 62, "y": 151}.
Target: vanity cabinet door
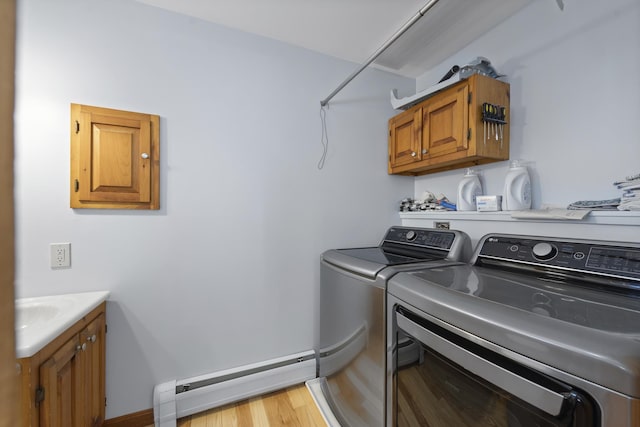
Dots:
{"x": 62, "y": 384}
{"x": 93, "y": 361}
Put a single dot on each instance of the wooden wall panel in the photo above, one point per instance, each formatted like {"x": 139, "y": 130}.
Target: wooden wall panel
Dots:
{"x": 9, "y": 384}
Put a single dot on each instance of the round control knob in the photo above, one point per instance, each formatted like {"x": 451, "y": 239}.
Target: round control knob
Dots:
{"x": 411, "y": 235}
{"x": 144, "y": 156}
{"x": 544, "y": 251}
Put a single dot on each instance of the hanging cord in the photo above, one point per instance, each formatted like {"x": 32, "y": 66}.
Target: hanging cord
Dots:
{"x": 324, "y": 138}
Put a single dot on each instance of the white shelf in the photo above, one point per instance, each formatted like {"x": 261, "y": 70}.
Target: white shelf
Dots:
{"x": 625, "y": 218}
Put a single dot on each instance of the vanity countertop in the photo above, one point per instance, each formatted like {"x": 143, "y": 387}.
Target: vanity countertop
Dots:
{"x": 39, "y": 320}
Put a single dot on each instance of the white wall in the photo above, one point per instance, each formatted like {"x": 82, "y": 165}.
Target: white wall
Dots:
{"x": 575, "y": 98}
{"x": 226, "y": 273}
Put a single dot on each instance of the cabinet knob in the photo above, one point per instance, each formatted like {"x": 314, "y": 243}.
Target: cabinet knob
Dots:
{"x": 82, "y": 347}
{"x": 425, "y": 151}
{"x": 413, "y": 154}
{"x": 144, "y": 155}
{"x": 92, "y": 338}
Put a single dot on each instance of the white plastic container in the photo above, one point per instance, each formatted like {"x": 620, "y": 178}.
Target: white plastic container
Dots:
{"x": 468, "y": 189}
{"x": 517, "y": 188}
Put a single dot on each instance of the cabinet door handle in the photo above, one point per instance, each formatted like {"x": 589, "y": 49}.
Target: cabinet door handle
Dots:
{"x": 92, "y": 338}
{"x": 82, "y": 347}
{"x": 413, "y": 154}
{"x": 144, "y": 156}
{"x": 425, "y": 151}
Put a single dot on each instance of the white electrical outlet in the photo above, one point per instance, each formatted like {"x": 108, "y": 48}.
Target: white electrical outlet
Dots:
{"x": 60, "y": 255}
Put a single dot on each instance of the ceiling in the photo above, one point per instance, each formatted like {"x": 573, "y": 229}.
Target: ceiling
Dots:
{"x": 354, "y": 29}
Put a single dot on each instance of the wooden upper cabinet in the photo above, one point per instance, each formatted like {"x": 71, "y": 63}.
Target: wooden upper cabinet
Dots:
{"x": 446, "y": 130}
{"x": 405, "y": 137}
{"x": 114, "y": 159}
{"x": 444, "y": 123}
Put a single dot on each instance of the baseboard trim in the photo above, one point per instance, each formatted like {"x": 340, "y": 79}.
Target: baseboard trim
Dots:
{"x": 136, "y": 419}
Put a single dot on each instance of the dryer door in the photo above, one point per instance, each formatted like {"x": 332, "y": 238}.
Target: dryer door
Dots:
{"x": 455, "y": 381}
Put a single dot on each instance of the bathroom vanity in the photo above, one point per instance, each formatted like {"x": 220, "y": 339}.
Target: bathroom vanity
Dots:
{"x": 62, "y": 374}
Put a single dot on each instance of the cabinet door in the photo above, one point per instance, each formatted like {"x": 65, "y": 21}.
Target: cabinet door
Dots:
{"x": 93, "y": 362}
{"x": 114, "y": 158}
{"x": 61, "y": 380}
{"x": 404, "y": 138}
{"x": 445, "y": 123}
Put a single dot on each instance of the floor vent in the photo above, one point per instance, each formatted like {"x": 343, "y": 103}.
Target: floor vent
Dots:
{"x": 181, "y": 398}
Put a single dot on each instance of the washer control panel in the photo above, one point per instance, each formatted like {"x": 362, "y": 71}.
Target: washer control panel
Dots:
{"x": 586, "y": 256}
{"x": 420, "y": 237}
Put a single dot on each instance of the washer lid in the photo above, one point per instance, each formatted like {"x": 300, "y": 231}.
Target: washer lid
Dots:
{"x": 388, "y": 257}
{"x": 369, "y": 261}
{"x": 590, "y": 333}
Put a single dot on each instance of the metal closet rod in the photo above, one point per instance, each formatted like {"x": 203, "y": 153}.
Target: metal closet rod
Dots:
{"x": 378, "y": 52}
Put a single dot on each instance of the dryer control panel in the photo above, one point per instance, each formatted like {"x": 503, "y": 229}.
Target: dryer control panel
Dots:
{"x": 578, "y": 255}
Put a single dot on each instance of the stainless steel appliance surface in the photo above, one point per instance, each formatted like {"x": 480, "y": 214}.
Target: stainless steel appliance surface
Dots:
{"x": 534, "y": 331}
{"x": 351, "y": 351}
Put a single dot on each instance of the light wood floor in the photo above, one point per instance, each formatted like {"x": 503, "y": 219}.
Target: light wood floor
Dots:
{"x": 292, "y": 407}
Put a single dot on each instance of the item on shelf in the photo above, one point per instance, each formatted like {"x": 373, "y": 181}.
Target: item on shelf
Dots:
{"x": 468, "y": 189}
{"x": 445, "y": 203}
{"x": 429, "y": 202}
{"x": 450, "y": 73}
{"x": 611, "y": 204}
{"x": 408, "y": 205}
{"x": 480, "y": 65}
{"x": 630, "y": 199}
{"x": 410, "y": 101}
{"x": 552, "y": 213}
{"x": 489, "y": 203}
{"x": 517, "y": 188}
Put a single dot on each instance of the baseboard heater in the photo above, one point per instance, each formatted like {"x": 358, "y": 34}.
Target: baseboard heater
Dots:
{"x": 180, "y": 398}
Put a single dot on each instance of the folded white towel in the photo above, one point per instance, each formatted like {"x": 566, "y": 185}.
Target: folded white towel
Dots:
{"x": 630, "y": 205}
{"x": 631, "y": 180}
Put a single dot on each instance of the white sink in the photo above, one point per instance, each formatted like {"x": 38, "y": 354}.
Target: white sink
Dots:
{"x": 39, "y": 320}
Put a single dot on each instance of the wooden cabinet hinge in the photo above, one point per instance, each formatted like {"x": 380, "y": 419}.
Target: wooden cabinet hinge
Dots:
{"x": 39, "y": 395}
